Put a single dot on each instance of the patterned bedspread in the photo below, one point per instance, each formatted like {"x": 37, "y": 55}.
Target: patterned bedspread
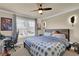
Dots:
{"x": 46, "y": 46}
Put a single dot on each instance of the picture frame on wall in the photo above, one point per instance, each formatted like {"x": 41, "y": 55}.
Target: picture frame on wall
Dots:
{"x": 6, "y": 24}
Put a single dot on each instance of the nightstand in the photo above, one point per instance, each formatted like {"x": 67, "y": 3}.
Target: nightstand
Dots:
{"x": 76, "y": 47}
{"x": 69, "y": 47}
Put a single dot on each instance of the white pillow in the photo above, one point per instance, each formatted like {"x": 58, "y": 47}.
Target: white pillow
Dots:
{"x": 62, "y": 36}
{"x": 47, "y": 34}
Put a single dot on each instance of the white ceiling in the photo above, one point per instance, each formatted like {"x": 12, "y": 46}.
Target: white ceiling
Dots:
{"x": 27, "y": 8}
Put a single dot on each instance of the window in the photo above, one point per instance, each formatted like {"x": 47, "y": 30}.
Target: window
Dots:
{"x": 25, "y": 26}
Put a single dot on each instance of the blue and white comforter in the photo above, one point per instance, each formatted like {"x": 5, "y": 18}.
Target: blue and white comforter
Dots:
{"x": 46, "y": 45}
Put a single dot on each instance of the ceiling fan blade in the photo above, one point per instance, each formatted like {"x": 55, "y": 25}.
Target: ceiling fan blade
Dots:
{"x": 46, "y": 9}
{"x": 35, "y": 10}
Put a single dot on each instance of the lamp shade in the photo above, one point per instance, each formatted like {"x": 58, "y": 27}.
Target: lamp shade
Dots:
{"x": 72, "y": 19}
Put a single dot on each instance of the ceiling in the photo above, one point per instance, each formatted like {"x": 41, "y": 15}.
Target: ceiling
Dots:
{"x": 26, "y": 9}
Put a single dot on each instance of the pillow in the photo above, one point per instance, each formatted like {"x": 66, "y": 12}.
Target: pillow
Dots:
{"x": 47, "y": 34}
{"x": 61, "y": 36}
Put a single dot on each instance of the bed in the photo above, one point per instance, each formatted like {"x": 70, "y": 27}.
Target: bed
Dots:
{"x": 46, "y": 45}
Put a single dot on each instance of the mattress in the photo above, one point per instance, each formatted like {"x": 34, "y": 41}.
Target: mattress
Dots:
{"x": 45, "y": 45}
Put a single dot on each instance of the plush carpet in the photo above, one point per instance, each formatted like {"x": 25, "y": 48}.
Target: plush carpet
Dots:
{"x": 70, "y": 53}
{"x": 20, "y": 52}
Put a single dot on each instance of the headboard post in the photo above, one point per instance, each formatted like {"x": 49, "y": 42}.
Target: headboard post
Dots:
{"x": 68, "y": 35}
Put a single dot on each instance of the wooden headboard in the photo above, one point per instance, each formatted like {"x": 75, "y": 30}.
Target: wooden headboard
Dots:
{"x": 64, "y": 31}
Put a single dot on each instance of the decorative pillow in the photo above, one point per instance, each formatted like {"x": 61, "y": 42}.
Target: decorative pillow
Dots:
{"x": 61, "y": 36}
{"x": 47, "y": 34}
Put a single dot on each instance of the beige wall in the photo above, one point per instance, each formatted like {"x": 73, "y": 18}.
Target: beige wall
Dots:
{"x": 61, "y": 22}
{"x": 2, "y": 14}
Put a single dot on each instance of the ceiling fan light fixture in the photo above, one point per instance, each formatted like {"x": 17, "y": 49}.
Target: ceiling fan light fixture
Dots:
{"x": 40, "y": 11}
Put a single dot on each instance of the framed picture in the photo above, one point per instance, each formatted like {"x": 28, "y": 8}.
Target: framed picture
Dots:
{"x": 6, "y": 24}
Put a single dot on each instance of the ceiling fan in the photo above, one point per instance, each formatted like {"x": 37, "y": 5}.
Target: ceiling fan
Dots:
{"x": 41, "y": 9}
